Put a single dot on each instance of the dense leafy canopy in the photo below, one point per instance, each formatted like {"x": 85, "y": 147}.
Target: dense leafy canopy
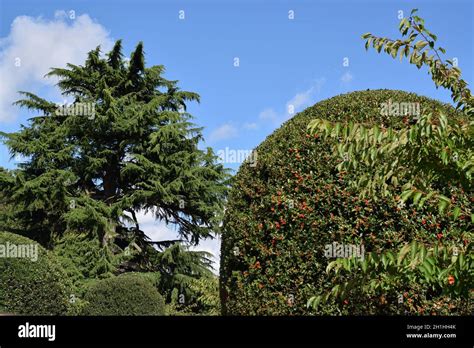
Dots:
{"x": 429, "y": 162}
{"x": 284, "y": 211}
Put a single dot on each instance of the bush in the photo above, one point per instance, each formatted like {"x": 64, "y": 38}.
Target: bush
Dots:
{"x": 284, "y": 210}
{"x": 33, "y": 285}
{"x": 127, "y": 294}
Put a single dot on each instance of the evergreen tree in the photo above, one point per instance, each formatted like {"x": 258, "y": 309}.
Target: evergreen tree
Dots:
{"x": 179, "y": 268}
{"x": 125, "y": 145}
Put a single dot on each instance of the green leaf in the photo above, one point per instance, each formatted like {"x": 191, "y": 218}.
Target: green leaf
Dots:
{"x": 456, "y": 212}
{"x": 417, "y": 196}
{"x": 314, "y": 302}
{"x": 461, "y": 260}
{"x": 384, "y": 261}
{"x": 406, "y": 195}
{"x": 402, "y": 253}
{"x": 364, "y": 265}
{"x": 332, "y": 265}
{"x": 442, "y": 205}
{"x": 429, "y": 267}
{"x": 420, "y": 44}
{"x": 391, "y": 257}
{"x": 403, "y": 23}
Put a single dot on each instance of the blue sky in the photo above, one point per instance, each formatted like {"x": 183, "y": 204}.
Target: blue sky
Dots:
{"x": 282, "y": 61}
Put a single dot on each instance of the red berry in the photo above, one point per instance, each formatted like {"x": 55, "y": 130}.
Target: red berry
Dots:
{"x": 451, "y": 280}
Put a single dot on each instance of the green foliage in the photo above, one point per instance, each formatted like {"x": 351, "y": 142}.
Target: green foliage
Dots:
{"x": 413, "y": 160}
{"x": 282, "y": 212}
{"x": 30, "y": 286}
{"x": 424, "y": 53}
{"x": 204, "y": 299}
{"x": 125, "y": 145}
{"x": 6, "y": 208}
{"x": 429, "y": 162}
{"x": 127, "y": 294}
{"x": 442, "y": 273}
{"x": 207, "y": 293}
{"x": 179, "y": 268}
{"x": 83, "y": 258}
{"x": 435, "y": 150}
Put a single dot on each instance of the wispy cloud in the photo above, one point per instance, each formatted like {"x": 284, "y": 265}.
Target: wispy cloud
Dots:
{"x": 226, "y": 131}
{"x": 347, "y": 77}
{"x": 268, "y": 115}
{"x": 34, "y": 45}
{"x": 297, "y": 103}
{"x": 304, "y": 99}
{"x": 250, "y": 125}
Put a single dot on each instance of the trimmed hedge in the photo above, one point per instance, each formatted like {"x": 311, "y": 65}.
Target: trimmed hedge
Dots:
{"x": 32, "y": 285}
{"x": 127, "y": 294}
{"x": 282, "y": 212}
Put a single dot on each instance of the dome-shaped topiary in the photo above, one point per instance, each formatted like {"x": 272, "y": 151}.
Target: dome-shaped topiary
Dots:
{"x": 283, "y": 212}
{"x": 127, "y": 294}
{"x": 31, "y": 280}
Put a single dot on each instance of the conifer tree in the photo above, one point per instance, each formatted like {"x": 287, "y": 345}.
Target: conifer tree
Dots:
{"x": 124, "y": 146}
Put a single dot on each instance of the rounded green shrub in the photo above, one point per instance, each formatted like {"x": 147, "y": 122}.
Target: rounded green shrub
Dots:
{"x": 284, "y": 209}
{"x": 31, "y": 280}
{"x": 127, "y": 294}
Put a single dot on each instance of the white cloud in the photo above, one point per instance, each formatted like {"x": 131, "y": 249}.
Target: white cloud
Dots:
{"x": 226, "y": 131}
{"x": 347, "y": 77}
{"x": 145, "y": 218}
{"x": 268, "y": 115}
{"x": 34, "y": 45}
{"x": 304, "y": 99}
{"x": 250, "y": 125}
{"x": 212, "y": 246}
{"x": 158, "y": 231}
{"x": 299, "y": 101}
